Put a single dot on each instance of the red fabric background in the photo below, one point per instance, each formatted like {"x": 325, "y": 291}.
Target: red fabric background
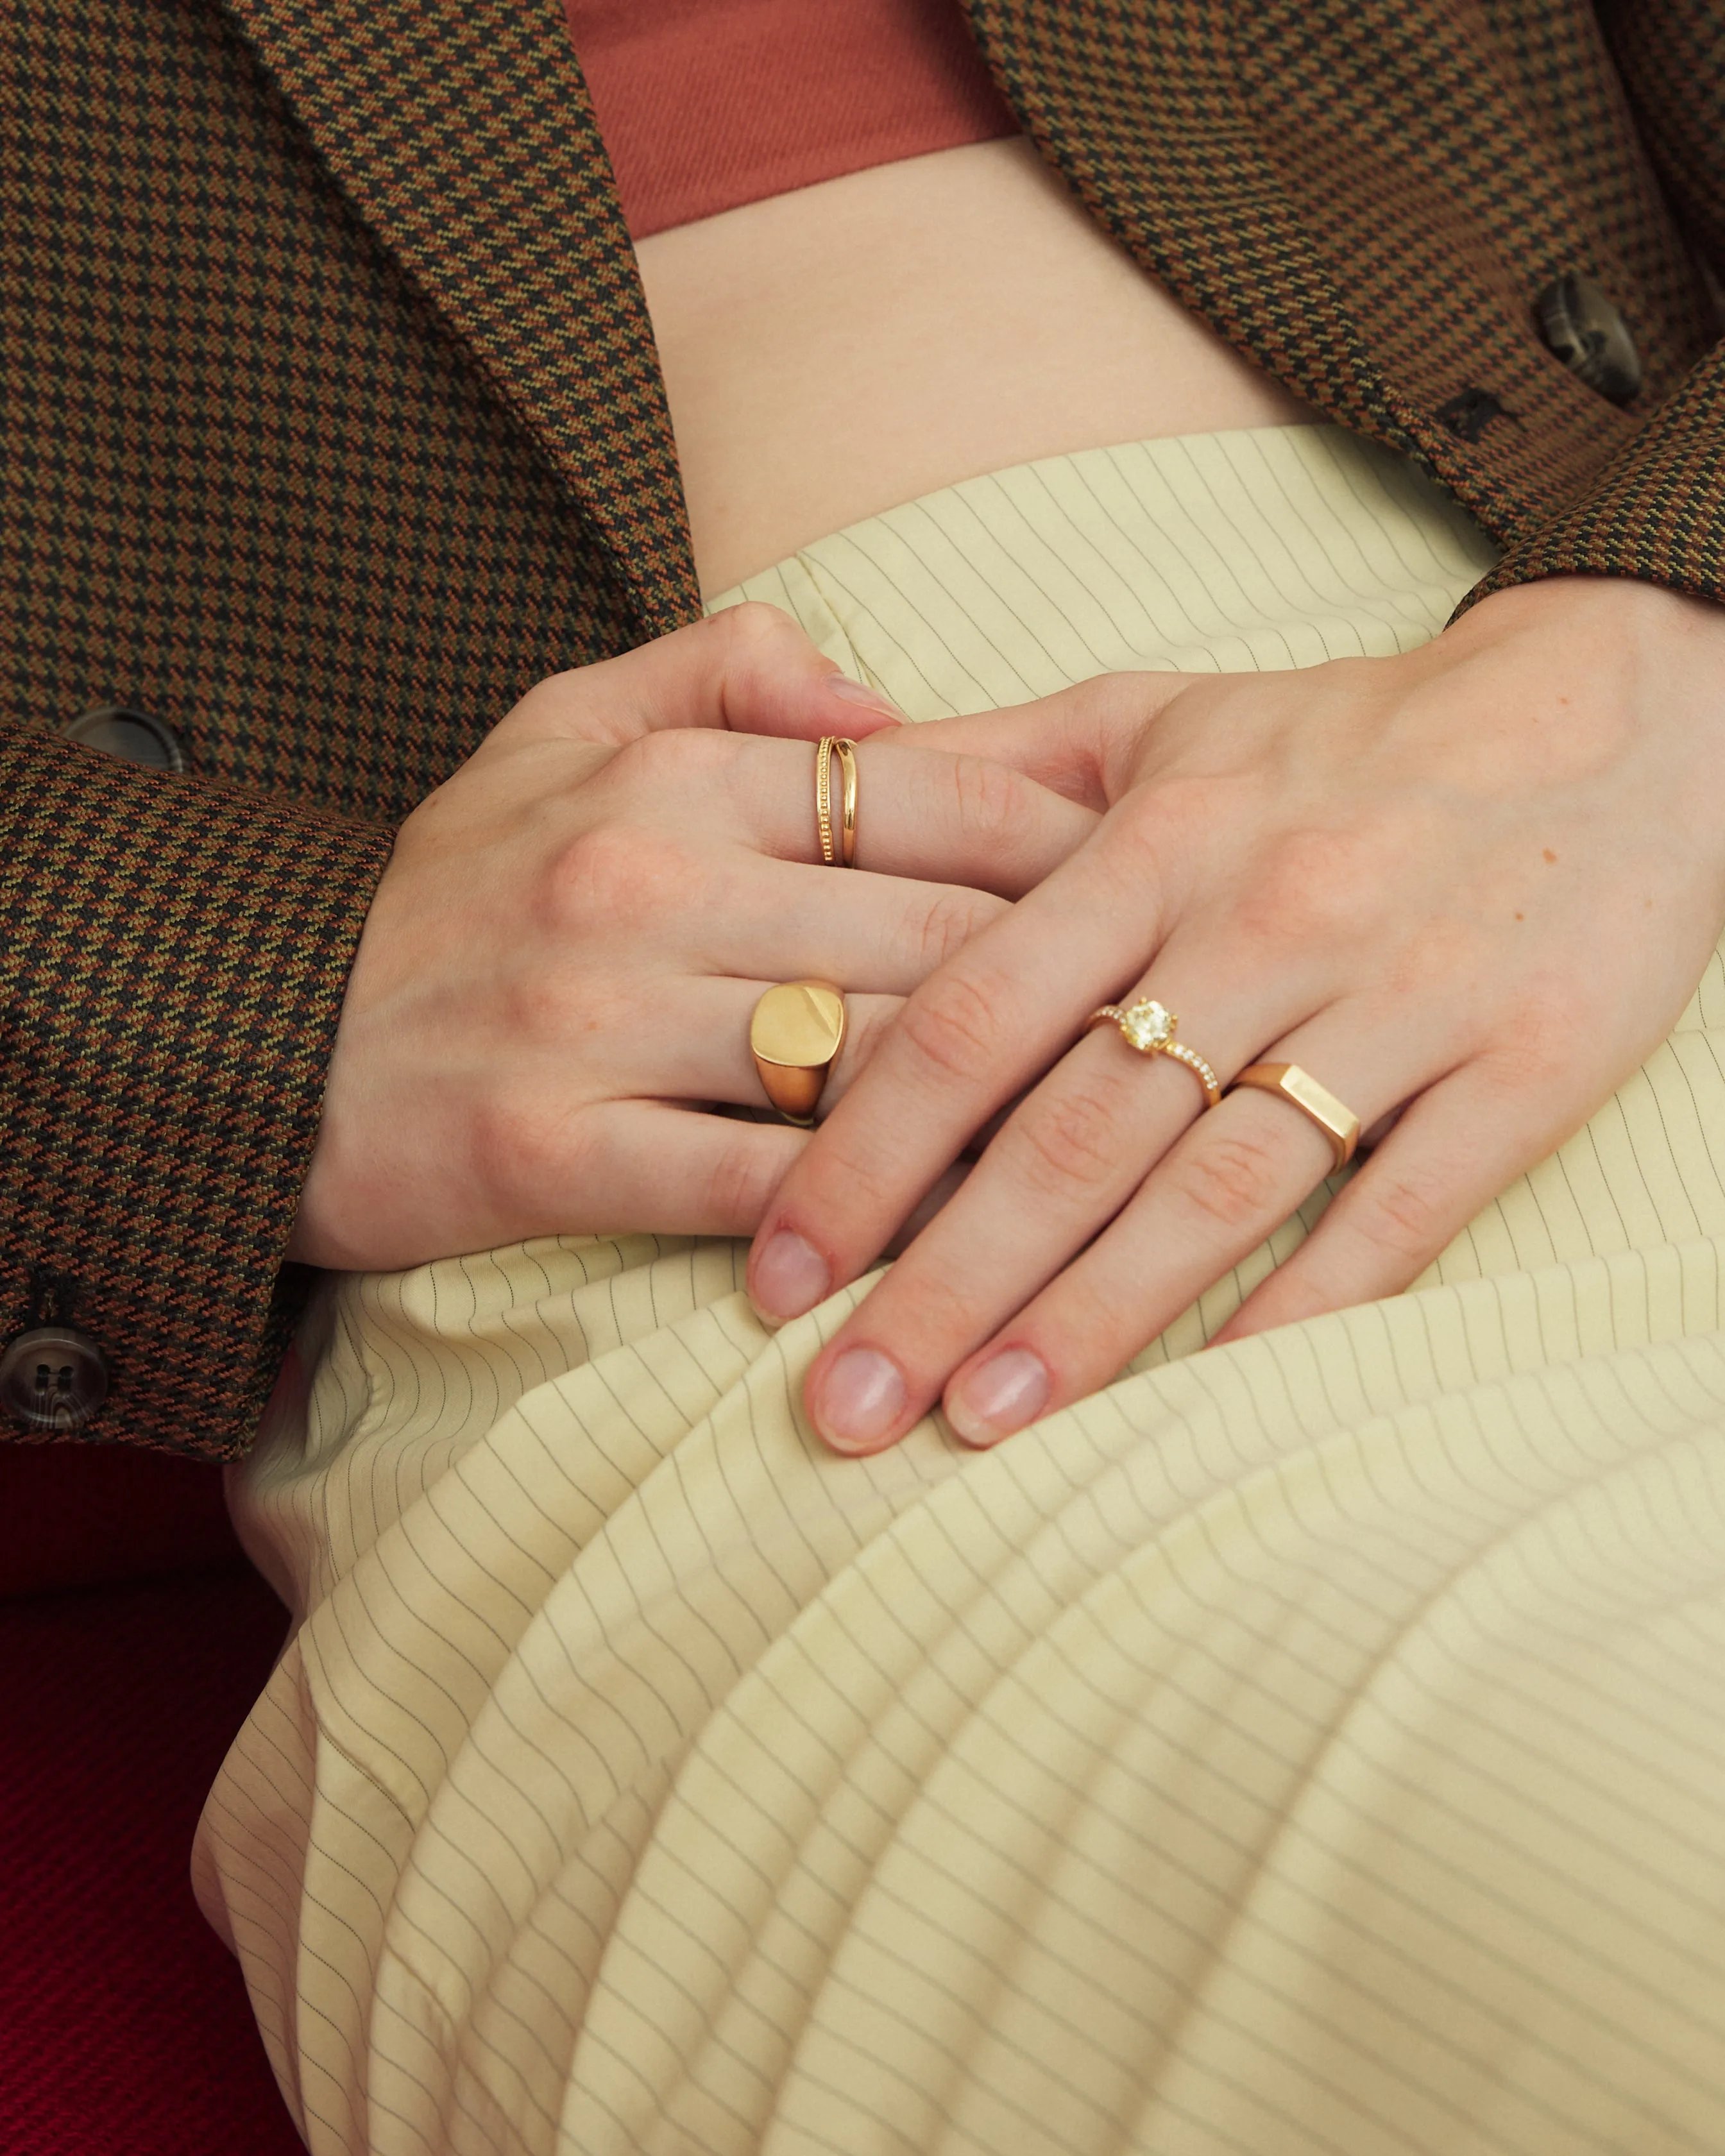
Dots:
{"x": 705, "y": 103}
{"x": 124, "y": 2024}
{"x": 80, "y": 1515}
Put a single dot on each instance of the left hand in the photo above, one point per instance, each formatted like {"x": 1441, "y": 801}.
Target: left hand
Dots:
{"x": 1469, "y": 889}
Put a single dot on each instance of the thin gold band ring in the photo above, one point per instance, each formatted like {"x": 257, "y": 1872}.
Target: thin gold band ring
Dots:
{"x": 1317, "y": 1103}
{"x": 1149, "y": 1026}
{"x": 843, "y": 854}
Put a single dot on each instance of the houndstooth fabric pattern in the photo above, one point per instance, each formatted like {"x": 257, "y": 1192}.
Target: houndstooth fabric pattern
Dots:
{"x": 333, "y": 421}
{"x": 1367, "y": 195}
{"x": 266, "y": 476}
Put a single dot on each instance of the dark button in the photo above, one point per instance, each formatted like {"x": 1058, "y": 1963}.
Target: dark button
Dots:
{"x": 1589, "y": 334}
{"x": 53, "y": 1379}
{"x": 119, "y": 730}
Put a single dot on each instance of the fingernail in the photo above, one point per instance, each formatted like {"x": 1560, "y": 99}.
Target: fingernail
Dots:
{"x": 790, "y": 1276}
{"x": 858, "y": 692}
{"x": 999, "y": 1398}
{"x": 858, "y": 1400}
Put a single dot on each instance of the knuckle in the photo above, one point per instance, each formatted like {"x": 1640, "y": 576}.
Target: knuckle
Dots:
{"x": 1153, "y": 838}
{"x": 519, "y": 1133}
{"x": 1406, "y": 1215}
{"x": 947, "y": 923}
{"x": 953, "y": 1026}
{"x": 1070, "y": 1141}
{"x": 535, "y": 1009}
{"x": 752, "y": 627}
{"x": 1316, "y": 889}
{"x": 990, "y": 800}
{"x": 1540, "y": 1055}
{"x": 1233, "y": 1181}
{"x": 615, "y": 876}
{"x": 673, "y": 756}
{"x": 741, "y": 1178}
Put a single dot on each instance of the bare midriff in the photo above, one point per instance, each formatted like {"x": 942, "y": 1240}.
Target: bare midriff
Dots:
{"x": 834, "y": 352}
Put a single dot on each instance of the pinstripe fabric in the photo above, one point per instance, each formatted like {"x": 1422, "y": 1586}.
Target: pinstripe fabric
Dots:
{"x": 1236, "y": 552}
{"x": 333, "y": 421}
{"x": 1315, "y": 1746}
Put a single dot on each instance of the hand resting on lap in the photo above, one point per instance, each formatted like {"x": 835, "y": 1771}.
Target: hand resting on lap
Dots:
{"x": 1474, "y": 884}
{"x": 563, "y": 956}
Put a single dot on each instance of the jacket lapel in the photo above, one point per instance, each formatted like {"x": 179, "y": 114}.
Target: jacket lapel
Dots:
{"x": 464, "y": 135}
{"x": 1331, "y": 185}
{"x": 1139, "y": 104}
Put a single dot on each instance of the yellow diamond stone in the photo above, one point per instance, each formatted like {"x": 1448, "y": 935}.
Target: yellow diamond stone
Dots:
{"x": 1148, "y": 1024}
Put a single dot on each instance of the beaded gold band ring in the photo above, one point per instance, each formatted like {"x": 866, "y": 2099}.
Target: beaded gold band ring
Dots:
{"x": 842, "y": 853}
{"x": 1149, "y": 1026}
{"x": 1316, "y": 1102}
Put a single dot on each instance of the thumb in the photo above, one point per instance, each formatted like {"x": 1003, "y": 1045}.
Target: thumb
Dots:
{"x": 748, "y": 668}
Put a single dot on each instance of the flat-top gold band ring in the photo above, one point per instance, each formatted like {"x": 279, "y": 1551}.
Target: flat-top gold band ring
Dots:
{"x": 843, "y": 854}
{"x": 1149, "y": 1026}
{"x": 794, "y": 1036}
{"x": 1316, "y": 1102}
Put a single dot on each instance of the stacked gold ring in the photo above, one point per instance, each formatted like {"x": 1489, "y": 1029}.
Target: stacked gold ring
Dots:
{"x": 842, "y": 855}
{"x": 1149, "y": 1026}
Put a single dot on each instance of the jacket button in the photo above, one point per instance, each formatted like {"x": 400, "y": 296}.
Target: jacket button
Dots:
{"x": 53, "y": 1379}
{"x": 137, "y": 737}
{"x": 1589, "y": 334}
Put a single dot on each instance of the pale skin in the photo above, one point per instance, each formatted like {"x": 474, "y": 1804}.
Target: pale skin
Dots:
{"x": 1475, "y": 885}
{"x": 1471, "y": 886}
{"x": 817, "y": 369}
{"x": 558, "y": 967}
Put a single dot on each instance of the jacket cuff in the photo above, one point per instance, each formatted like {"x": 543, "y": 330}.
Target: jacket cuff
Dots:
{"x": 172, "y": 973}
{"x": 1654, "y": 512}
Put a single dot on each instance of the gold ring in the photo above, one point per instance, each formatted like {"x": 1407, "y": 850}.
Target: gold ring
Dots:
{"x": 1316, "y": 1102}
{"x": 843, "y": 854}
{"x": 1149, "y": 1026}
{"x": 794, "y": 1037}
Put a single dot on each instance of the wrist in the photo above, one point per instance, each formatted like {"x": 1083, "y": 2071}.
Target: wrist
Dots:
{"x": 1617, "y": 605}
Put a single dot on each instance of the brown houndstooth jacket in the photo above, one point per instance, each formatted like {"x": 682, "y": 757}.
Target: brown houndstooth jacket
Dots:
{"x": 333, "y": 421}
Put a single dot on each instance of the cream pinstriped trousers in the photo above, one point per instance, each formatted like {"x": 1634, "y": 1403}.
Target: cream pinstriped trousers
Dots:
{"x": 1317, "y": 1745}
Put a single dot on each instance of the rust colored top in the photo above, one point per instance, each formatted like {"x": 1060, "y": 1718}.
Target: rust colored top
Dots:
{"x": 705, "y": 103}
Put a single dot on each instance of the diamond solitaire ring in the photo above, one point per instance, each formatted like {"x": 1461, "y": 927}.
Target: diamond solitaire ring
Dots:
{"x": 1149, "y": 1026}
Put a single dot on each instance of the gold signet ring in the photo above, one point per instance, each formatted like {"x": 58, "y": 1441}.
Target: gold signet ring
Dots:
{"x": 1317, "y": 1103}
{"x": 843, "y": 853}
{"x": 794, "y": 1037}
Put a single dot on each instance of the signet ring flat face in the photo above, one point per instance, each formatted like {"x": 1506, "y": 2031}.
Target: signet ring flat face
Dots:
{"x": 794, "y": 1036}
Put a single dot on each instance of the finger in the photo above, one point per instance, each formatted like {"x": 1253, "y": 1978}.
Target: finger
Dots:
{"x": 944, "y": 820}
{"x": 1451, "y": 1151}
{"x": 748, "y": 668}
{"x": 665, "y": 1170}
{"x": 975, "y": 1034}
{"x": 1076, "y": 742}
{"x": 875, "y": 935}
{"x": 1063, "y": 1167}
{"x": 1226, "y": 1185}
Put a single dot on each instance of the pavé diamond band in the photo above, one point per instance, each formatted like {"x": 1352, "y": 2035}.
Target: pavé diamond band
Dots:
{"x": 1149, "y": 1026}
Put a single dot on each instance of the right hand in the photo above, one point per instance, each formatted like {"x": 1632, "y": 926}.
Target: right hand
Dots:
{"x": 563, "y": 954}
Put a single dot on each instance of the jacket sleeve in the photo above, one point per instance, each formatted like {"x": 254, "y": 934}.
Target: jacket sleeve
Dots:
{"x": 1656, "y": 510}
{"x": 172, "y": 972}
